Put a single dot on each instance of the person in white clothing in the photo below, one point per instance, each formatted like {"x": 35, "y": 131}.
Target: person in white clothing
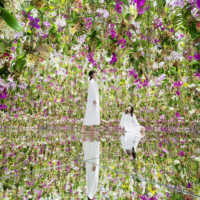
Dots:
{"x": 92, "y": 115}
{"x": 133, "y": 132}
{"x": 91, "y": 157}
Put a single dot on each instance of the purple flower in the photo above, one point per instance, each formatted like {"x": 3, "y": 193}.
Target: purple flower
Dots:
{"x": 190, "y": 57}
{"x": 88, "y": 23}
{"x": 197, "y": 56}
{"x": 165, "y": 150}
{"x": 118, "y": 7}
{"x": 4, "y": 94}
{"x": 113, "y": 33}
{"x": 47, "y": 24}
{"x": 114, "y": 58}
{"x": 90, "y": 58}
{"x": 134, "y": 73}
{"x": 3, "y": 106}
{"x": 189, "y": 185}
{"x": 128, "y": 33}
{"x": 45, "y": 36}
{"x": 178, "y": 93}
{"x": 24, "y": 12}
{"x": 177, "y": 115}
{"x": 178, "y": 83}
{"x": 160, "y": 144}
{"x": 123, "y": 42}
{"x": 181, "y": 153}
{"x": 168, "y": 195}
{"x": 34, "y": 21}
{"x": 198, "y": 3}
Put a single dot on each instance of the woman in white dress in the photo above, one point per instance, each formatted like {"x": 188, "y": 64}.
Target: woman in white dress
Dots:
{"x": 91, "y": 157}
{"x": 92, "y": 115}
{"x": 133, "y": 132}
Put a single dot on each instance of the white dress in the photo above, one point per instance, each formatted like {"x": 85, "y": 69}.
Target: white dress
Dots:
{"x": 92, "y": 115}
{"x": 91, "y": 156}
{"x": 132, "y": 131}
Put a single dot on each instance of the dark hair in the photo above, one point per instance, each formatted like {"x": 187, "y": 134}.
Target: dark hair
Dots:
{"x": 132, "y": 110}
{"x": 132, "y": 152}
{"x": 91, "y": 73}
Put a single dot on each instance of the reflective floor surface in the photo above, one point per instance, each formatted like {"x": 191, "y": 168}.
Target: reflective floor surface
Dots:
{"x": 58, "y": 164}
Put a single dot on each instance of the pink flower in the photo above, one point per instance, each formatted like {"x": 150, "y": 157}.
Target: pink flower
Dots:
{"x": 181, "y": 153}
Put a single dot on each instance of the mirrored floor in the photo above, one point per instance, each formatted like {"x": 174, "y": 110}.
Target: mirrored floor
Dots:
{"x": 62, "y": 164}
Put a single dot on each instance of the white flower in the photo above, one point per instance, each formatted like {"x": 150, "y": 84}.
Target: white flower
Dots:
{"x": 155, "y": 66}
{"x": 197, "y": 159}
{"x": 138, "y": 31}
{"x": 108, "y": 59}
{"x": 192, "y": 111}
{"x": 61, "y": 21}
{"x": 191, "y": 85}
{"x": 161, "y": 64}
{"x": 136, "y": 24}
{"x": 176, "y": 162}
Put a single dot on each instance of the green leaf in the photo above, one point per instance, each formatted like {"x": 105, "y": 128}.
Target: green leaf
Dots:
{"x": 43, "y": 9}
{"x": 29, "y": 31}
{"x": 193, "y": 63}
{"x": 22, "y": 66}
{"x": 109, "y": 53}
{"x": 94, "y": 33}
{"x": 29, "y": 8}
{"x": 193, "y": 31}
{"x": 84, "y": 1}
{"x": 74, "y": 16}
{"x": 1, "y": 4}
{"x": 20, "y": 59}
{"x": 108, "y": 1}
{"x": 138, "y": 17}
{"x": 136, "y": 64}
{"x": 70, "y": 23}
{"x": 22, "y": 55}
{"x": 127, "y": 16}
{"x": 18, "y": 46}
{"x": 99, "y": 44}
{"x": 165, "y": 20}
{"x": 126, "y": 2}
{"x": 186, "y": 13}
{"x": 55, "y": 2}
{"x": 135, "y": 45}
{"x": 10, "y": 20}
{"x": 198, "y": 47}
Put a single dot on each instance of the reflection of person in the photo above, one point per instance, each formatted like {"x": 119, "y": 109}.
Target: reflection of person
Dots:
{"x": 91, "y": 156}
{"x": 133, "y": 132}
{"x": 92, "y": 115}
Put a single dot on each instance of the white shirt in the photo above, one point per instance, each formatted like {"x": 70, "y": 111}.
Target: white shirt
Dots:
{"x": 128, "y": 122}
